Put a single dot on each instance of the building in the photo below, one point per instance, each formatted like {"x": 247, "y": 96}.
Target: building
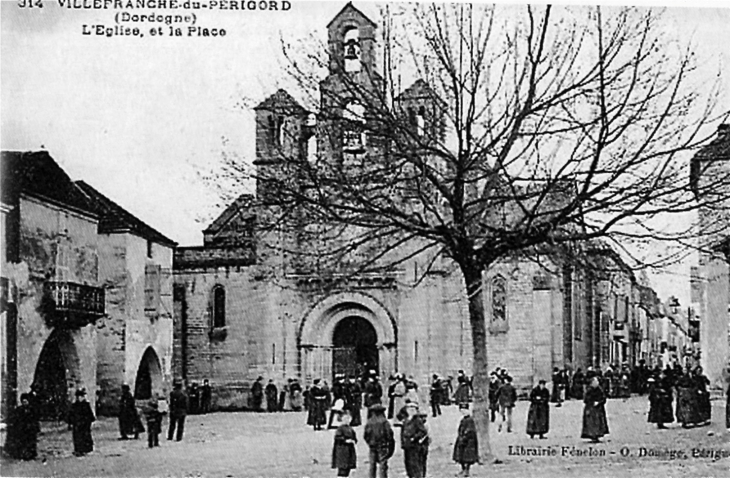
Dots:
{"x": 252, "y": 303}
{"x": 80, "y": 278}
{"x": 711, "y": 279}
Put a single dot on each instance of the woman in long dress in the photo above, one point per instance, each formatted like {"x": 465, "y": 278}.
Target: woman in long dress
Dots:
{"x": 466, "y": 447}
{"x": 595, "y": 424}
{"x": 538, "y": 418}
{"x": 80, "y": 418}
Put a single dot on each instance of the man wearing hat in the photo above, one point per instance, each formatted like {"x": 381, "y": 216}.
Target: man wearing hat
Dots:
{"x": 178, "y": 411}
{"x": 80, "y": 418}
{"x": 379, "y": 437}
{"x": 414, "y": 441}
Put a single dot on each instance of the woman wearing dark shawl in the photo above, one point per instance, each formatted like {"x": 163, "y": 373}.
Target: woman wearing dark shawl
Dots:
{"x": 704, "y": 407}
{"x": 538, "y": 418}
{"x": 595, "y": 424}
{"x": 686, "y": 401}
{"x": 317, "y": 406}
{"x": 80, "y": 418}
{"x": 466, "y": 447}
{"x": 21, "y": 440}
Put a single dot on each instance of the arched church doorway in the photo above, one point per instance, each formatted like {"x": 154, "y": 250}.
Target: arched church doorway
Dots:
{"x": 355, "y": 347}
{"x": 347, "y": 332}
{"x": 56, "y": 374}
{"x": 149, "y": 376}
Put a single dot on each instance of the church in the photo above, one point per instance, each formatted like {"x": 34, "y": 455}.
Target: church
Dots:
{"x": 244, "y": 308}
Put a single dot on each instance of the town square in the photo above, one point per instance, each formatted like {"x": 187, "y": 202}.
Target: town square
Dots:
{"x": 306, "y": 239}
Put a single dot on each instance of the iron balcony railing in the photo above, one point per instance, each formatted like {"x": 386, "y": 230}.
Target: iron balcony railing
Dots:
{"x": 75, "y": 304}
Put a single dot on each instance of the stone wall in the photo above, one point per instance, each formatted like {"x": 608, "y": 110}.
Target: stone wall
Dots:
{"x": 55, "y": 244}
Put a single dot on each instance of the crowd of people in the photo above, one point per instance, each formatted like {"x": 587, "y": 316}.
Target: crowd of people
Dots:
{"x": 674, "y": 394}
{"x": 346, "y": 398}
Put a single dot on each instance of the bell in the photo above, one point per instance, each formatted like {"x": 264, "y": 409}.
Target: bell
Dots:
{"x": 351, "y": 51}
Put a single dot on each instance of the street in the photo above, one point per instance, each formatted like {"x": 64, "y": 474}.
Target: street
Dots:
{"x": 280, "y": 445}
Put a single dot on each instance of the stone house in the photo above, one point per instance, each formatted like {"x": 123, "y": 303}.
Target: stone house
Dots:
{"x": 247, "y": 306}
{"x": 710, "y": 172}
{"x": 87, "y": 291}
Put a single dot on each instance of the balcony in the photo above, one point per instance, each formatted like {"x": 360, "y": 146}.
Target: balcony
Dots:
{"x": 72, "y": 305}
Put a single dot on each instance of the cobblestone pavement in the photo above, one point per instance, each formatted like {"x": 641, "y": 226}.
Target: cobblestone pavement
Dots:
{"x": 280, "y": 445}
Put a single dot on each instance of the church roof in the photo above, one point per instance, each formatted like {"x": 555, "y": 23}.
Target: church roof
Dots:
{"x": 718, "y": 148}
{"x": 349, "y": 8}
{"x": 114, "y": 218}
{"x": 281, "y": 100}
{"x": 243, "y": 201}
{"x": 37, "y": 173}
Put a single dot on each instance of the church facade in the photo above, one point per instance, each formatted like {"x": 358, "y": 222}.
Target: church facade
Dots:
{"x": 245, "y": 309}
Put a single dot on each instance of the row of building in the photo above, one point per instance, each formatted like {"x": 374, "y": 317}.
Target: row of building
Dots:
{"x": 92, "y": 297}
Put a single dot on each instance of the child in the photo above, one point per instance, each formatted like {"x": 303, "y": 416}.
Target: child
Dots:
{"x": 466, "y": 448}
{"x": 154, "y": 424}
{"x": 344, "y": 457}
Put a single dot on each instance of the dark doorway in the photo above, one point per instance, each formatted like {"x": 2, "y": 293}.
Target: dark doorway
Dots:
{"x": 148, "y": 375}
{"x": 355, "y": 347}
{"x": 53, "y": 374}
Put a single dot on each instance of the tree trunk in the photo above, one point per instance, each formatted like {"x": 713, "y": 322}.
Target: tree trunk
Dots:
{"x": 480, "y": 374}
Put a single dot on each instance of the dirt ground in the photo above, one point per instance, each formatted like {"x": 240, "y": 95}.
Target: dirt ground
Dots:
{"x": 280, "y": 445}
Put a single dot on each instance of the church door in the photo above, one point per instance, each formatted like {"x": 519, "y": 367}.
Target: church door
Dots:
{"x": 355, "y": 348}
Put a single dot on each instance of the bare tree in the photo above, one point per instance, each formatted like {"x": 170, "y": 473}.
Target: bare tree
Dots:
{"x": 528, "y": 128}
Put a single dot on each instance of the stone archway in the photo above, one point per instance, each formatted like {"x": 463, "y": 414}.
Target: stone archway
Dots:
{"x": 148, "y": 381}
{"x": 57, "y": 374}
{"x": 326, "y": 339}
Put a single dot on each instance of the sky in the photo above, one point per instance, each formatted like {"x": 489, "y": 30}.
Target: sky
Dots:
{"x": 142, "y": 118}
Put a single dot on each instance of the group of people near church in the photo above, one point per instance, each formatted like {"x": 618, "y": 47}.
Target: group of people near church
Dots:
{"x": 404, "y": 411}
{"x": 269, "y": 398}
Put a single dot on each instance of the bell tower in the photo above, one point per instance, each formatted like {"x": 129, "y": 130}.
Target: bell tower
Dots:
{"x": 351, "y": 41}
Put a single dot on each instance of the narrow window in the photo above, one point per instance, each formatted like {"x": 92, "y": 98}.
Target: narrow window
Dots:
{"x": 421, "y": 121}
{"x": 499, "y": 304}
{"x": 354, "y": 127}
{"x": 149, "y": 249}
{"x": 219, "y": 307}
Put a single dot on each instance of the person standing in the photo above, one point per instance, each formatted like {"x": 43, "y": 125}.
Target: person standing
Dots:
{"x": 379, "y": 437}
{"x": 80, "y": 418}
{"x": 466, "y": 447}
{"x": 21, "y": 440}
{"x": 296, "y": 395}
{"x": 129, "y": 421}
{"x": 178, "y": 411}
{"x": 354, "y": 401}
{"x": 595, "y": 424}
{"x": 538, "y": 418}
{"x": 272, "y": 396}
{"x": 399, "y": 396}
{"x": 462, "y": 395}
{"x": 435, "y": 396}
{"x": 373, "y": 390}
{"x": 557, "y": 379}
{"x": 414, "y": 441}
{"x": 154, "y": 423}
{"x": 206, "y": 395}
{"x": 344, "y": 456}
{"x": 393, "y": 379}
{"x": 317, "y": 406}
{"x": 506, "y": 396}
{"x": 704, "y": 406}
{"x": 687, "y": 412}
{"x": 494, "y": 384}
{"x": 576, "y": 387}
{"x": 257, "y": 394}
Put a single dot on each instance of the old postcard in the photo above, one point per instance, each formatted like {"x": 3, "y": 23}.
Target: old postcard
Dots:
{"x": 281, "y": 238}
